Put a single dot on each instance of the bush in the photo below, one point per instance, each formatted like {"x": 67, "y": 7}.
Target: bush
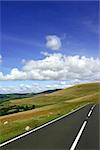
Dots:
{"x": 15, "y": 109}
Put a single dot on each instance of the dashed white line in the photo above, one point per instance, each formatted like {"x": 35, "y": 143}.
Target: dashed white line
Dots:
{"x": 91, "y": 110}
{"x": 44, "y": 125}
{"x": 74, "y": 144}
{"x": 78, "y": 136}
{"x": 89, "y": 114}
{"x": 93, "y": 107}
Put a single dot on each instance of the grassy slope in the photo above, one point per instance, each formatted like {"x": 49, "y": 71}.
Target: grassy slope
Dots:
{"x": 6, "y": 97}
{"x": 49, "y": 106}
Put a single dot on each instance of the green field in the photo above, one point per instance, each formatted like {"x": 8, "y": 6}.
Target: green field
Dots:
{"x": 48, "y": 106}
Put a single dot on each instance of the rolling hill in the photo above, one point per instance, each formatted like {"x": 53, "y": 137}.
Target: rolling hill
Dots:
{"x": 72, "y": 93}
{"x": 4, "y": 97}
{"x": 48, "y": 106}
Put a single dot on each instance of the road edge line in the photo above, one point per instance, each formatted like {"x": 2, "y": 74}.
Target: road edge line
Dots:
{"x": 42, "y": 126}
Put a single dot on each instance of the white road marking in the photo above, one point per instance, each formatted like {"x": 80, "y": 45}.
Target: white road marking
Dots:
{"x": 78, "y": 136}
{"x": 91, "y": 110}
{"x": 89, "y": 114}
{"x": 93, "y": 107}
{"x": 46, "y": 124}
{"x": 81, "y": 130}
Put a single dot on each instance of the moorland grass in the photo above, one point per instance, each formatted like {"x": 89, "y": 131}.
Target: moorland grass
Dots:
{"x": 48, "y": 107}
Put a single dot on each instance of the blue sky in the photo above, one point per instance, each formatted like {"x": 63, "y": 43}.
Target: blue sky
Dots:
{"x": 27, "y": 27}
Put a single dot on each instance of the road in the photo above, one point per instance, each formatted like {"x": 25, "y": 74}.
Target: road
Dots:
{"x": 79, "y": 131}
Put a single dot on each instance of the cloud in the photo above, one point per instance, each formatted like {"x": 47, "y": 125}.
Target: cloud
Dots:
{"x": 53, "y": 42}
{"x": 17, "y": 89}
{"x": 33, "y": 88}
{"x": 45, "y": 53}
{"x": 16, "y": 74}
{"x": 0, "y": 59}
{"x": 57, "y": 67}
{"x": 23, "y": 61}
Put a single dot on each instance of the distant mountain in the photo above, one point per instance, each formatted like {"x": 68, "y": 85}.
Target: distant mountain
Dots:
{"x": 4, "y": 97}
{"x": 49, "y": 91}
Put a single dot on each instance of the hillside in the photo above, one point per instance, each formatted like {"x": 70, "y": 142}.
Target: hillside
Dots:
{"x": 80, "y": 89}
{"x": 23, "y": 102}
{"x": 47, "y": 106}
{"x": 70, "y": 93}
{"x": 4, "y": 97}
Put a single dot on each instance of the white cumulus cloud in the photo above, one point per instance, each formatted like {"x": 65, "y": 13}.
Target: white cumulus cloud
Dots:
{"x": 53, "y": 42}
{"x": 57, "y": 67}
{"x": 33, "y": 88}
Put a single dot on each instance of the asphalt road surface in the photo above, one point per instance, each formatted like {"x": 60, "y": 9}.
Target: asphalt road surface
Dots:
{"x": 77, "y": 131}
